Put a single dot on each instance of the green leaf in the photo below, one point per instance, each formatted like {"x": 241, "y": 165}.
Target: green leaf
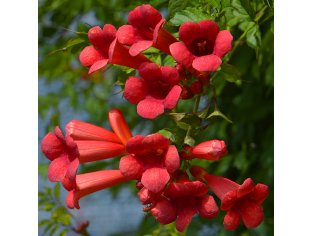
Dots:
{"x": 43, "y": 222}
{"x": 63, "y": 232}
{"x": 53, "y": 230}
{"x": 190, "y": 14}
{"x": 47, "y": 229}
{"x": 70, "y": 43}
{"x": 246, "y": 4}
{"x": 48, "y": 206}
{"x": 57, "y": 191}
{"x": 183, "y": 125}
{"x": 177, "y": 116}
{"x": 203, "y": 114}
{"x": 229, "y": 72}
{"x": 43, "y": 170}
{"x": 169, "y": 61}
{"x": 167, "y": 134}
{"x": 189, "y": 140}
{"x": 254, "y": 36}
{"x": 220, "y": 114}
{"x": 175, "y": 6}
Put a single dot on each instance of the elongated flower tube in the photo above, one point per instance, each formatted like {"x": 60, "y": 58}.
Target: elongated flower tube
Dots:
{"x": 119, "y": 55}
{"x": 145, "y": 29}
{"x": 242, "y": 202}
{"x": 92, "y": 182}
{"x": 80, "y": 130}
{"x": 212, "y": 150}
{"x": 119, "y": 125}
{"x": 203, "y": 45}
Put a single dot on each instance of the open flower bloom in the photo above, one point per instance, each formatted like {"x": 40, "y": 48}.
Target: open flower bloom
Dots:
{"x": 240, "y": 201}
{"x": 151, "y": 160}
{"x": 63, "y": 154}
{"x": 145, "y": 30}
{"x": 209, "y": 150}
{"x": 104, "y": 50}
{"x": 96, "y": 56}
{"x": 203, "y": 45}
{"x": 184, "y": 199}
{"x": 92, "y": 182}
{"x": 158, "y": 90}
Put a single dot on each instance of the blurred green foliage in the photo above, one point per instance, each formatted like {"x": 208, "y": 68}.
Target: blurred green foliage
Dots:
{"x": 237, "y": 107}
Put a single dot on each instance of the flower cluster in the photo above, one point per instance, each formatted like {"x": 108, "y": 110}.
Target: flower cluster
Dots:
{"x": 159, "y": 166}
{"x": 199, "y": 52}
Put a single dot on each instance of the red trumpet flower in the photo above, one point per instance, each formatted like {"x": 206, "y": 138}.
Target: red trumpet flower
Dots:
{"x": 184, "y": 199}
{"x": 151, "y": 161}
{"x": 209, "y": 150}
{"x": 145, "y": 30}
{"x": 204, "y": 45}
{"x": 240, "y": 201}
{"x": 105, "y": 50}
{"x": 83, "y": 143}
{"x": 158, "y": 90}
{"x": 92, "y": 182}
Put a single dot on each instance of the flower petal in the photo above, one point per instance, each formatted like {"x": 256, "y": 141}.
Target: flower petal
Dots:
{"x": 189, "y": 31}
{"x": 127, "y": 34}
{"x": 207, "y": 207}
{"x": 252, "y": 215}
{"x": 119, "y": 55}
{"x": 98, "y": 65}
{"x": 58, "y": 168}
{"x": 228, "y": 200}
{"x": 98, "y": 150}
{"x": 162, "y": 39}
{"x": 150, "y": 108}
{"x": 80, "y": 130}
{"x": 231, "y": 220}
{"x": 146, "y": 196}
{"x": 150, "y": 72}
{"x": 259, "y": 193}
{"x": 185, "y": 214}
{"x": 172, "y": 159}
{"x": 139, "y": 47}
{"x": 119, "y": 125}
{"x": 207, "y": 63}
{"x": 170, "y": 75}
{"x": 144, "y": 16}
{"x": 51, "y": 146}
{"x": 69, "y": 181}
{"x": 71, "y": 200}
{"x": 164, "y": 211}
{"x": 223, "y": 43}
{"x": 179, "y": 190}
{"x": 181, "y": 54}
{"x": 155, "y": 179}
{"x": 131, "y": 167}
{"x": 245, "y": 188}
{"x": 135, "y": 90}
{"x": 209, "y": 30}
{"x": 173, "y": 97}
{"x": 89, "y": 55}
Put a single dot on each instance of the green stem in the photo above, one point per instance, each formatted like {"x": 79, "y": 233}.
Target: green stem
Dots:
{"x": 197, "y": 100}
